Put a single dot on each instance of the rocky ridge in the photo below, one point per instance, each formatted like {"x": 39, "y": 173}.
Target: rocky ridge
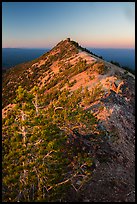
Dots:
{"x": 70, "y": 66}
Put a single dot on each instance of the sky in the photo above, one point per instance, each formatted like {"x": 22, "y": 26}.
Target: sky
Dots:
{"x": 91, "y": 24}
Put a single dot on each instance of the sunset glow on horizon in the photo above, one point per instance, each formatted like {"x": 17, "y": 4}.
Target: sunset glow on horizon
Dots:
{"x": 91, "y": 24}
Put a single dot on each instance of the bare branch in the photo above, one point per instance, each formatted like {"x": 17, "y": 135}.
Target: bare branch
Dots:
{"x": 74, "y": 187}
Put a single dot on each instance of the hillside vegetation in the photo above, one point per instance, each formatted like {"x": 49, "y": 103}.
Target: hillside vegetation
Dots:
{"x": 67, "y": 123}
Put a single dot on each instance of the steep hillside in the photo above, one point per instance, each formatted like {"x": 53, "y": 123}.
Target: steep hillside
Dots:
{"x": 68, "y": 128}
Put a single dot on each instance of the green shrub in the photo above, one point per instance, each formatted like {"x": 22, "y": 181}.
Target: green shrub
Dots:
{"x": 70, "y": 84}
{"x": 92, "y": 77}
{"x": 52, "y": 158}
{"x": 99, "y": 67}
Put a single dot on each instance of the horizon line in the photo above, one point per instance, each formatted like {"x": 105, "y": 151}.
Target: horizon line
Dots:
{"x": 133, "y": 48}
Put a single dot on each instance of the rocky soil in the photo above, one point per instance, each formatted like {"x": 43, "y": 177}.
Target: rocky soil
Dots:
{"x": 113, "y": 179}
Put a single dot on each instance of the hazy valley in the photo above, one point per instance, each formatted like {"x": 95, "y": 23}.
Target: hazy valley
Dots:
{"x": 14, "y": 56}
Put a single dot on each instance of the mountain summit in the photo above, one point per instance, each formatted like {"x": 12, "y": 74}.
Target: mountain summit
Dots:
{"x": 68, "y": 128}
